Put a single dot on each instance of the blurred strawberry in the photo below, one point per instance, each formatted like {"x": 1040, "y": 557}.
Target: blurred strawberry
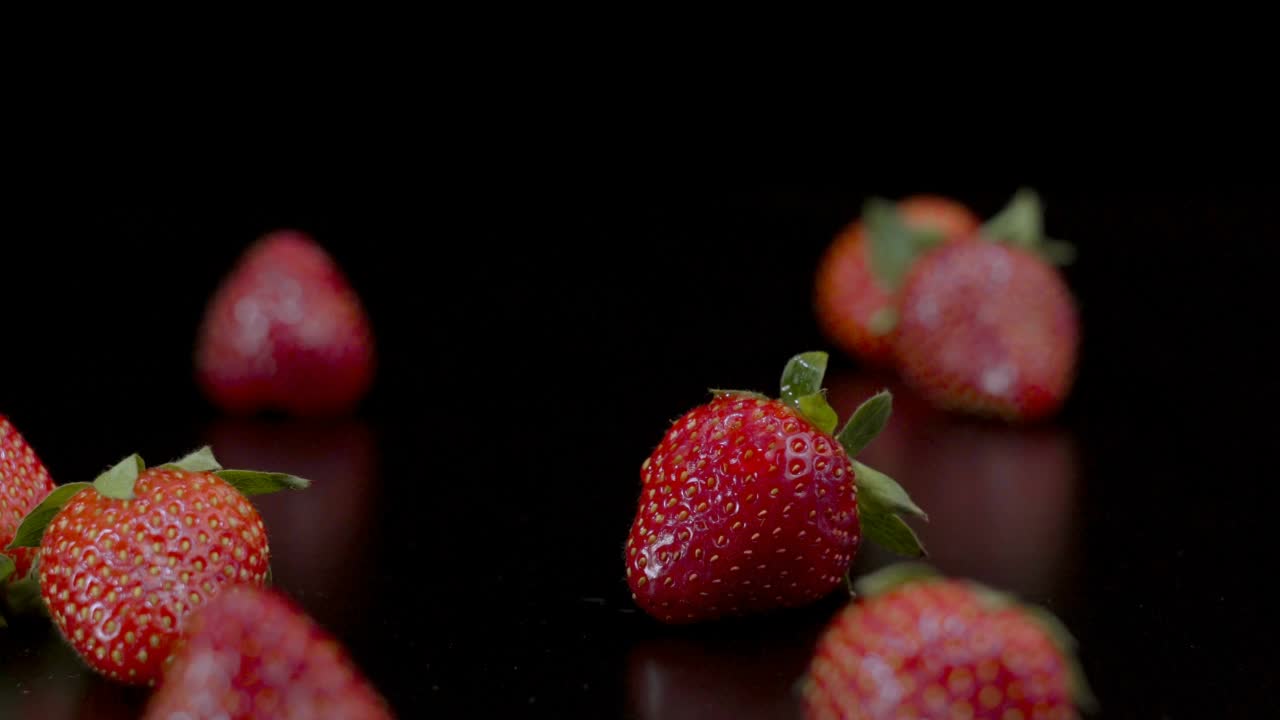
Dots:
{"x": 991, "y": 328}
{"x": 858, "y": 279}
{"x": 285, "y": 331}
{"x": 254, "y": 654}
{"x": 917, "y": 645}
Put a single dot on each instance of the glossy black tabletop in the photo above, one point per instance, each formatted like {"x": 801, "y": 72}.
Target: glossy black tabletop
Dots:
{"x": 464, "y": 533}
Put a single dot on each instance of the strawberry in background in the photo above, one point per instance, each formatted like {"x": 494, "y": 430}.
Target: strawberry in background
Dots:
{"x": 285, "y": 331}
{"x": 859, "y": 278}
{"x": 990, "y": 327}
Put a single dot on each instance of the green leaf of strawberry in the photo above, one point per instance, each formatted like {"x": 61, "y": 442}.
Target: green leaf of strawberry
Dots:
{"x": 201, "y": 460}
{"x": 866, "y": 422}
{"x": 802, "y": 389}
{"x": 252, "y": 482}
{"x": 881, "y": 504}
{"x": 6, "y": 568}
{"x": 1021, "y": 223}
{"x": 118, "y": 481}
{"x": 892, "y": 243}
{"x": 33, "y": 525}
{"x": 803, "y": 376}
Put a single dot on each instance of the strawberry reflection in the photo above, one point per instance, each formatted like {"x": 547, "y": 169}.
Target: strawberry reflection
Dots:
{"x": 319, "y": 535}
{"x": 1002, "y": 500}
{"x": 725, "y": 670}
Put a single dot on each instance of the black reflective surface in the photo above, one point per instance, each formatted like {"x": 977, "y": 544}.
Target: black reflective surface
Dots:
{"x": 464, "y": 534}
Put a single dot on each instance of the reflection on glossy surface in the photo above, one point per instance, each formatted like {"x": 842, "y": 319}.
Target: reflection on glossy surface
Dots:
{"x": 740, "y": 670}
{"x": 1002, "y": 500}
{"x": 318, "y": 536}
{"x": 41, "y": 677}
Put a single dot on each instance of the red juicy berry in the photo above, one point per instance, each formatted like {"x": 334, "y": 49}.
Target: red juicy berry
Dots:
{"x": 24, "y": 482}
{"x": 989, "y": 329}
{"x": 120, "y": 577}
{"x": 750, "y": 504}
{"x": 745, "y": 506}
{"x": 848, "y": 296}
{"x": 252, "y": 654}
{"x": 935, "y": 648}
{"x": 285, "y": 331}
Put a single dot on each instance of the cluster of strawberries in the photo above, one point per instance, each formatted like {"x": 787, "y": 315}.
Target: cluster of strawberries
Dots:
{"x": 751, "y": 504}
{"x": 161, "y": 576}
{"x": 974, "y": 316}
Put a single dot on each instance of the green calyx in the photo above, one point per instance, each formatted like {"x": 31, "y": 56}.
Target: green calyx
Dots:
{"x": 118, "y": 482}
{"x": 892, "y": 244}
{"x": 1021, "y": 224}
{"x": 881, "y": 501}
{"x": 20, "y": 597}
{"x": 898, "y": 575}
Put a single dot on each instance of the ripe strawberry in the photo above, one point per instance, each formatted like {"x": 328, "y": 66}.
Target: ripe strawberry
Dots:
{"x": 750, "y": 504}
{"x": 285, "y": 331}
{"x": 252, "y": 653}
{"x": 856, "y": 289}
{"x": 991, "y": 328}
{"x": 920, "y": 646}
{"x": 124, "y": 560}
{"x": 23, "y": 484}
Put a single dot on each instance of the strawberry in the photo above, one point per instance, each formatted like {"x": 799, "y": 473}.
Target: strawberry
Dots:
{"x": 917, "y": 645}
{"x": 24, "y": 482}
{"x": 252, "y": 653}
{"x": 285, "y": 331}
{"x": 991, "y": 328}
{"x": 123, "y": 561}
{"x": 856, "y": 287}
{"x": 750, "y": 504}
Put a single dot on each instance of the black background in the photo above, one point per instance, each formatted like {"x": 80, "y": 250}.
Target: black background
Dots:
{"x": 534, "y": 343}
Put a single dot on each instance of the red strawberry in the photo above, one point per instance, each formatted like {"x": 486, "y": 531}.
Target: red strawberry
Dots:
{"x": 285, "y": 331}
{"x": 23, "y": 484}
{"x": 920, "y": 646}
{"x": 125, "y": 560}
{"x": 252, "y": 653}
{"x": 750, "y": 504}
{"x": 990, "y": 328}
{"x": 856, "y": 288}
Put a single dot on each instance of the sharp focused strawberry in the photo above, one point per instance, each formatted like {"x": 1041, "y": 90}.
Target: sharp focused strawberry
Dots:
{"x": 856, "y": 289}
{"x": 123, "y": 561}
{"x": 285, "y": 331}
{"x": 915, "y": 645}
{"x": 750, "y": 504}
{"x": 252, "y": 653}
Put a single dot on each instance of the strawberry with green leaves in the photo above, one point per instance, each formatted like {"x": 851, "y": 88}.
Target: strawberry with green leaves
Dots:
{"x": 124, "y": 560}
{"x": 859, "y": 279}
{"x": 751, "y": 504}
{"x": 24, "y": 482}
{"x": 990, "y": 327}
{"x": 918, "y": 645}
{"x": 252, "y": 653}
